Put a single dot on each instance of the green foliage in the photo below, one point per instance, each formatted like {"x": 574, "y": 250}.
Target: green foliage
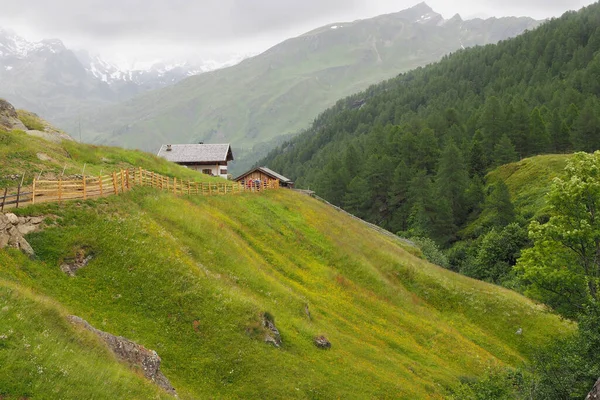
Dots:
{"x": 431, "y": 251}
{"x": 562, "y": 268}
{"x": 497, "y": 384}
{"x": 504, "y": 152}
{"x": 497, "y": 253}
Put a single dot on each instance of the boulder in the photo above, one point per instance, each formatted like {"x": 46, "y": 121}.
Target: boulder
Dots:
{"x": 132, "y": 353}
{"x": 72, "y": 265}
{"x": 322, "y": 342}
{"x": 12, "y": 218}
{"x": 272, "y": 335}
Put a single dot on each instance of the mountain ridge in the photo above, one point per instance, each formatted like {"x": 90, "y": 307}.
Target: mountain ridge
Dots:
{"x": 257, "y": 102}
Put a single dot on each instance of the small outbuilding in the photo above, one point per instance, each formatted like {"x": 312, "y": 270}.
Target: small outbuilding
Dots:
{"x": 210, "y": 159}
{"x": 263, "y": 174}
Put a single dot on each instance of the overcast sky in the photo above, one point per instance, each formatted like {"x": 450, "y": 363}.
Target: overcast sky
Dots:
{"x": 146, "y": 30}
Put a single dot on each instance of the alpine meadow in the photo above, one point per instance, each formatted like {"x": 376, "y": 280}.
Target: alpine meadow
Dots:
{"x": 433, "y": 236}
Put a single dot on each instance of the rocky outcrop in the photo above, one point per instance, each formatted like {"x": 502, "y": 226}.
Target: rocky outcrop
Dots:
{"x": 72, "y": 265}
{"x": 595, "y": 392}
{"x": 132, "y": 353}
{"x": 272, "y": 335}
{"x": 13, "y": 229}
{"x": 322, "y": 342}
{"x": 9, "y": 119}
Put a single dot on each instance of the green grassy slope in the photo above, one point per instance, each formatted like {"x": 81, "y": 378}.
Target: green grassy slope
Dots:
{"x": 529, "y": 180}
{"x": 23, "y": 154}
{"x": 189, "y": 277}
{"x": 43, "y": 357}
{"x": 281, "y": 91}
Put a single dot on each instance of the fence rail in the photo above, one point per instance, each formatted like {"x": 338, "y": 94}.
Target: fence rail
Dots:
{"x": 57, "y": 191}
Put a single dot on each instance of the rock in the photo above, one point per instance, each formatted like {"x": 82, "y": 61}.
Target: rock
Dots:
{"x": 26, "y": 228}
{"x": 519, "y": 331}
{"x": 594, "y": 394}
{"x": 307, "y": 312}
{"x": 272, "y": 336}
{"x": 322, "y": 342}
{"x": 12, "y": 218}
{"x": 132, "y": 353}
{"x": 81, "y": 259}
{"x": 13, "y": 229}
{"x": 36, "y": 220}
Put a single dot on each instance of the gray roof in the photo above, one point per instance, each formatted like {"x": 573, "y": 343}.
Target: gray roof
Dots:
{"x": 268, "y": 172}
{"x": 189, "y": 153}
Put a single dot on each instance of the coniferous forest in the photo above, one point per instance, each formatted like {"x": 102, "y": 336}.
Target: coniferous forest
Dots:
{"x": 411, "y": 154}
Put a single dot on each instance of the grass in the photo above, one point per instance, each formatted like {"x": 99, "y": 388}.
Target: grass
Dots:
{"x": 31, "y": 121}
{"x": 43, "y": 357}
{"x": 24, "y": 154}
{"x": 529, "y": 180}
{"x": 190, "y": 277}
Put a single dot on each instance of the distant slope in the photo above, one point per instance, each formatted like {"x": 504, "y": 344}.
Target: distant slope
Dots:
{"x": 191, "y": 277}
{"x": 474, "y": 110}
{"x": 278, "y": 93}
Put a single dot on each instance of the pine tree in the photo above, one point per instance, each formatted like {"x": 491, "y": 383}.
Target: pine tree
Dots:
{"x": 585, "y": 133}
{"x": 452, "y": 180}
{"x": 478, "y": 162}
{"x": 498, "y": 208}
{"x": 539, "y": 141}
{"x": 504, "y": 152}
{"x": 559, "y": 133}
{"x": 492, "y": 122}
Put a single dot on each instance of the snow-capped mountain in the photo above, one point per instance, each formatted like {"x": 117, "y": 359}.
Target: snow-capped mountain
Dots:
{"x": 50, "y": 79}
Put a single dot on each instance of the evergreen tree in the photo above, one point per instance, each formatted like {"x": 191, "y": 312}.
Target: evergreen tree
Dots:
{"x": 478, "y": 162}
{"x": 492, "y": 122}
{"x": 518, "y": 120}
{"x": 559, "y": 133}
{"x": 452, "y": 181}
{"x": 539, "y": 141}
{"x": 498, "y": 208}
{"x": 585, "y": 133}
{"x": 504, "y": 152}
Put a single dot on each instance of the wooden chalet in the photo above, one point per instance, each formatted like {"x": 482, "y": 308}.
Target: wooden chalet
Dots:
{"x": 210, "y": 159}
{"x": 264, "y": 174}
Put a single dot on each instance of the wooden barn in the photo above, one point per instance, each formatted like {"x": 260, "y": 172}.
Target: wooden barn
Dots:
{"x": 264, "y": 174}
{"x": 210, "y": 159}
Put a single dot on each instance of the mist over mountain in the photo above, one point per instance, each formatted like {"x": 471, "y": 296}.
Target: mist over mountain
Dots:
{"x": 57, "y": 82}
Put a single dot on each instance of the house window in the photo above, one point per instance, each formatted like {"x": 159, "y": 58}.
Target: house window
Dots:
{"x": 223, "y": 171}
{"x": 207, "y": 171}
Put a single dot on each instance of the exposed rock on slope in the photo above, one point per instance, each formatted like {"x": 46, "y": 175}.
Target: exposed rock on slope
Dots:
{"x": 132, "y": 353}
{"x": 11, "y": 119}
{"x": 12, "y": 229}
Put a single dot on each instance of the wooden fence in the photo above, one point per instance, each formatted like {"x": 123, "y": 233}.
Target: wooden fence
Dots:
{"x": 43, "y": 191}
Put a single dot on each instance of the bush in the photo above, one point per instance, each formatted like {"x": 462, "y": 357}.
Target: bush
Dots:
{"x": 431, "y": 251}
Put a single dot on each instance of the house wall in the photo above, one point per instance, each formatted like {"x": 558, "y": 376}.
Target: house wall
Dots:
{"x": 215, "y": 169}
{"x": 253, "y": 176}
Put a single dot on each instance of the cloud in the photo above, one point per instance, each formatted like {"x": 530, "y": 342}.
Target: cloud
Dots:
{"x": 138, "y": 28}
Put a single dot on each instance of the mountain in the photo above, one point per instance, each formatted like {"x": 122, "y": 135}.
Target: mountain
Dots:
{"x": 267, "y": 98}
{"x": 203, "y": 280}
{"x": 456, "y": 119}
{"x": 54, "y": 81}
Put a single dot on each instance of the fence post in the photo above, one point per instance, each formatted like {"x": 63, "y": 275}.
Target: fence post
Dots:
{"x": 18, "y": 195}
{"x": 122, "y": 182}
{"x": 84, "y": 192}
{"x": 115, "y": 182}
{"x": 4, "y": 199}
{"x": 33, "y": 192}
{"x": 127, "y": 177}
{"x": 196, "y": 188}
{"x": 189, "y": 188}
{"x": 100, "y": 185}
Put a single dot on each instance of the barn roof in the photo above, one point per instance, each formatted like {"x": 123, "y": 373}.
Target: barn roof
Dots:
{"x": 190, "y": 153}
{"x": 268, "y": 172}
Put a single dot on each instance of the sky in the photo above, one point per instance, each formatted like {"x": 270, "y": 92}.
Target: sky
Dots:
{"x": 142, "y": 31}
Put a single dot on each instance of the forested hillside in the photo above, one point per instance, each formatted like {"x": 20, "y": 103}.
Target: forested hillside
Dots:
{"x": 411, "y": 153}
